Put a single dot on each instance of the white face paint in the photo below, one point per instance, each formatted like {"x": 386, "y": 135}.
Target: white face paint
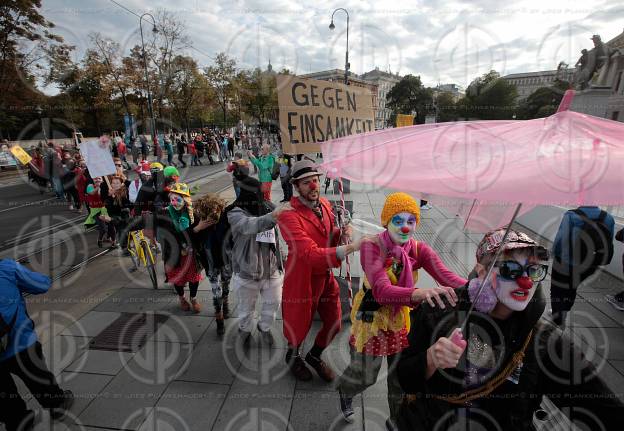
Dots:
{"x": 176, "y": 200}
{"x": 514, "y": 294}
{"x": 402, "y": 227}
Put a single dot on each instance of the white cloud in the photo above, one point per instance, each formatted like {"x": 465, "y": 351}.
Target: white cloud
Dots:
{"x": 446, "y": 41}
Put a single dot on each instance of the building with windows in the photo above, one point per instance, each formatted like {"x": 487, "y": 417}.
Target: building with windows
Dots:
{"x": 384, "y": 82}
{"x": 526, "y": 83}
{"x": 453, "y": 89}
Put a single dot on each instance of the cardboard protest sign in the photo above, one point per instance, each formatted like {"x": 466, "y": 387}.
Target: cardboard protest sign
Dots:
{"x": 404, "y": 120}
{"x": 98, "y": 158}
{"x": 312, "y": 111}
{"x": 21, "y": 155}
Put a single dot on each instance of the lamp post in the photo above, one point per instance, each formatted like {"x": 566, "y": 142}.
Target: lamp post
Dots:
{"x": 331, "y": 27}
{"x": 150, "y": 108}
{"x": 39, "y": 111}
{"x": 346, "y": 184}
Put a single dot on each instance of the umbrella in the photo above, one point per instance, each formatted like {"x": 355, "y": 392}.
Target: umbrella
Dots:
{"x": 567, "y": 158}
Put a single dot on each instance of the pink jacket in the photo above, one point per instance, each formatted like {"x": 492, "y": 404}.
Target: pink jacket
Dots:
{"x": 384, "y": 291}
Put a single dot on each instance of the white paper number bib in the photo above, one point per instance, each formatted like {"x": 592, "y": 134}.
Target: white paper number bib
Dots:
{"x": 266, "y": 236}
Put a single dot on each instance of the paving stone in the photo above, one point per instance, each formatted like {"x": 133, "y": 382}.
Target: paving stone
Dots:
{"x": 160, "y": 362}
{"x": 100, "y": 362}
{"x": 606, "y": 340}
{"x": 63, "y": 351}
{"x": 91, "y": 324}
{"x": 325, "y": 413}
{"x": 375, "y": 402}
{"x": 598, "y": 301}
{"x": 123, "y": 404}
{"x": 215, "y": 360}
{"x": 618, "y": 365}
{"x": 137, "y": 300}
{"x": 186, "y": 406}
{"x": 204, "y": 297}
{"x": 269, "y": 392}
{"x": 85, "y": 387}
{"x": 183, "y": 329}
{"x": 585, "y": 314}
{"x": 612, "y": 378}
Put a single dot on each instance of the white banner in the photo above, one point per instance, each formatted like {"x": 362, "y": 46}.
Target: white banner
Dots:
{"x": 98, "y": 158}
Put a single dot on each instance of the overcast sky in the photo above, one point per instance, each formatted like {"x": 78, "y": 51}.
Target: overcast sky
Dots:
{"x": 442, "y": 41}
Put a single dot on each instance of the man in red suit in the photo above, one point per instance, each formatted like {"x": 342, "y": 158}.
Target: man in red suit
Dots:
{"x": 308, "y": 227}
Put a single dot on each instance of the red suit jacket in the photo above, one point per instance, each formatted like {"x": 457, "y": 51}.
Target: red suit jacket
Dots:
{"x": 311, "y": 255}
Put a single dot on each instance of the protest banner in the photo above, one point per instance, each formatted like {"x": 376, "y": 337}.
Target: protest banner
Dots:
{"x": 98, "y": 158}
{"x": 21, "y": 155}
{"x": 404, "y": 120}
{"x": 312, "y": 111}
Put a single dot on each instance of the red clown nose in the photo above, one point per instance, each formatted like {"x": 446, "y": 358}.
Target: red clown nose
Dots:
{"x": 524, "y": 282}
{"x": 405, "y": 229}
{"x": 313, "y": 186}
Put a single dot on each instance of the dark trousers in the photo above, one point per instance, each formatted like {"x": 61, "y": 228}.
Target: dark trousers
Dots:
{"x": 287, "y": 187}
{"x": 105, "y": 229}
{"x": 564, "y": 283}
{"x": 30, "y": 366}
{"x": 192, "y": 289}
{"x": 181, "y": 159}
{"x": 72, "y": 195}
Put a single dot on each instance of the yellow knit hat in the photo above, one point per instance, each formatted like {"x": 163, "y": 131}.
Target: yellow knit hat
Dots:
{"x": 399, "y": 203}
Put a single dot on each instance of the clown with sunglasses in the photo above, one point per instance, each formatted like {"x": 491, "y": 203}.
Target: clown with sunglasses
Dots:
{"x": 508, "y": 357}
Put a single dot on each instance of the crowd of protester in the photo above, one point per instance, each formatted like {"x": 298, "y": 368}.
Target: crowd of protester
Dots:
{"x": 442, "y": 371}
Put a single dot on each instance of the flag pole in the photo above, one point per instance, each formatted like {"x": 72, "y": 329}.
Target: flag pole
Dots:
{"x": 462, "y": 327}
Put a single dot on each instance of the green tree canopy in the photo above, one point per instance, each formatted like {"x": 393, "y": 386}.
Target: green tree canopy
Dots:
{"x": 409, "y": 96}
{"x": 489, "y": 97}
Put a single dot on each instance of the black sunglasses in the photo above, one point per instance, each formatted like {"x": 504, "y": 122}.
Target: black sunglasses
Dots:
{"x": 511, "y": 270}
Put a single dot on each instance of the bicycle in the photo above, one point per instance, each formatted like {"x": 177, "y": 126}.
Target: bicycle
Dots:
{"x": 141, "y": 254}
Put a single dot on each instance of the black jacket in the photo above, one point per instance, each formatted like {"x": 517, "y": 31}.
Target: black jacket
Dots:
{"x": 511, "y": 405}
{"x": 152, "y": 195}
{"x": 174, "y": 243}
{"x": 214, "y": 245}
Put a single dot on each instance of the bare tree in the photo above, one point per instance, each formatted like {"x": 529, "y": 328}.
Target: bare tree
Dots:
{"x": 167, "y": 43}
{"x": 110, "y": 55}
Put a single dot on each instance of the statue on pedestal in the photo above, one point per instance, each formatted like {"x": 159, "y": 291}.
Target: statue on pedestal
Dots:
{"x": 596, "y": 61}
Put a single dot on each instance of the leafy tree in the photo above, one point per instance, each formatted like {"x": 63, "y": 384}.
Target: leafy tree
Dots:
{"x": 446, "y": 109}
{"x": 410, "y": 96}
{"x": 489, "y": 97}
{"x": 260, "y": 96}
{"x": 187, "y": 88}
{"x": 26, "y": 46}
{"x": 543, "y": 102}
{"x": 221, "y": 78}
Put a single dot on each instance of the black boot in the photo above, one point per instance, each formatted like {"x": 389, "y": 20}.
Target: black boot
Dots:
{"x": 225, "y": 306}
{"x": 220, "y": 325}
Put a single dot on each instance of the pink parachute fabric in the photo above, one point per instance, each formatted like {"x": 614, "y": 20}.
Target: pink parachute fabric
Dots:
{"x": 568, "y": 158}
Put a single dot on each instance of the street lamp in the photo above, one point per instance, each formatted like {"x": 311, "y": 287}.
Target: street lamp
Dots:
{"x": 39, "y": 111}
{"x": 150, "y": 108}
{"x": 331, "y": 27}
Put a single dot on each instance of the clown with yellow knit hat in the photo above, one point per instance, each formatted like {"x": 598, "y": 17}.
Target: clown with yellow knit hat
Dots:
{"x": 380, "y": 312}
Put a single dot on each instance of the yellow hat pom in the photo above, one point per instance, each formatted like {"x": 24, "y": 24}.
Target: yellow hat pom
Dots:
{"x": 399, "y": 203}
